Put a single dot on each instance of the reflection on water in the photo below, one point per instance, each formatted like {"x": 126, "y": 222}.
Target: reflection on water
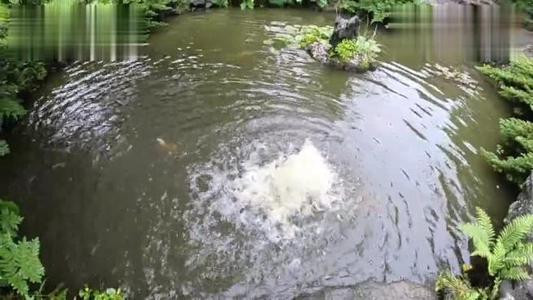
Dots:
{"x": 448, "y": 32}
{"x": 215, "y": 166}
{"x": 68, "y": 30}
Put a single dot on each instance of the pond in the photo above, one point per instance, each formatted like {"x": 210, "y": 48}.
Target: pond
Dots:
{"x": 216, "y": 165}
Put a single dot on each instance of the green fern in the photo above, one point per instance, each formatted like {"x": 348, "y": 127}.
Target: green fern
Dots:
{"x": 10, "y": 218}
{"x": 20, "y": 264}
{"x": 19, "y": 259}
{"x": 508, "y": 254}
{"x": 4, "y": 148}
{"x": 11, "y": 109}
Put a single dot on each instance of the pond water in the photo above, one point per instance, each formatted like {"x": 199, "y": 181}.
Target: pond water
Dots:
{"x": 216, "y": 165}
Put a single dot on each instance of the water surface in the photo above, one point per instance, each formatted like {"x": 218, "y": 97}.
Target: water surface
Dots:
{"x": 217, "y": 165}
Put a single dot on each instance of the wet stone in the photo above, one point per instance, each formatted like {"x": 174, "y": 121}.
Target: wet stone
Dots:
{"x": 400, "y": 290}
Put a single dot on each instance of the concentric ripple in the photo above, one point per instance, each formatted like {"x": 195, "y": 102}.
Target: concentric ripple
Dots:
{"x": 216, "y": 166}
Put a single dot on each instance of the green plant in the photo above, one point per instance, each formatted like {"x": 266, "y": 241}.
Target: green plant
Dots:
{"x": 109, "y": 294}
{"x": 378, "y": 10}
{"x": 515, "y": 168}
{"x": 221, "y": 3}
{"x": 515, "y": 83}
{"x": 515, "y": 80}
{"x": 19, "y": 258}
{"x": 312, "y": 34}
{"x": 247, "y": 4}
{"x": 459, "y": 287}
{"x": 365, "y": 49}
{"x": 508, "y": 253}
{"x": 4, "y": 148}
{"x": 507, "y": 256}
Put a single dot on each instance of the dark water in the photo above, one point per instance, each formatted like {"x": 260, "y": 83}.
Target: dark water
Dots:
{"x": 216, "y": 165}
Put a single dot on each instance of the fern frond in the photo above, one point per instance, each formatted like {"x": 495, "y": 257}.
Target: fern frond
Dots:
{"x": 4, "y": 148}
{"x": 496, "y": 259}
{"x": 20, "y": 264}
{"x": 11, "y": 109}
{"x": 515, "y": 273}
{"x": 10, "y": 218}
{"x": 485, "y": 223}
{"x": 516, "y": 231}
{"x": 520, "y": 256}
{"x": 481, "y": 238}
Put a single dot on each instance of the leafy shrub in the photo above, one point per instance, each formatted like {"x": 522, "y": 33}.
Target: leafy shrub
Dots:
{"x": 363, "y": 48}
{"x": 378, "y": 10}
{"x": 19, "y": 258}
{"x": 507, "y": 256}
{"x": 515, "y": 81}
{"x": 516, "y": 85}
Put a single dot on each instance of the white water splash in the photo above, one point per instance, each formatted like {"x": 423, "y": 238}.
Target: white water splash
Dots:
{"x": 299, "y": 184}
{"x": 277, "y": 199}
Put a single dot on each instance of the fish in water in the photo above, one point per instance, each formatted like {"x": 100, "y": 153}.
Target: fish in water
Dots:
{"x": 170, "y": 148}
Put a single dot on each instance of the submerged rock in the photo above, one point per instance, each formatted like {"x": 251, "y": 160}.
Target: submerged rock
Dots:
{"x": 345, "y": 28}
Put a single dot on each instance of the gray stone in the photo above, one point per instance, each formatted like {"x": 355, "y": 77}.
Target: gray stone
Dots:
{"x": 516, "y": 291}
{"x": 522, "y": 206}
{"x": 345, "y": 28}
{"x": 319, "y": 52}
{"x": 524, "y": 202}
{"x": 371, "y": 290}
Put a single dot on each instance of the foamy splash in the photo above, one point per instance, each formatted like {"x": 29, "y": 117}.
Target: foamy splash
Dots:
{"x": 276, "y": 199}
{"x": 297, "y": 184}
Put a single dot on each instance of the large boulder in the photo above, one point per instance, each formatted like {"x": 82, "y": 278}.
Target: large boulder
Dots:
{"x": 345, "y": 28}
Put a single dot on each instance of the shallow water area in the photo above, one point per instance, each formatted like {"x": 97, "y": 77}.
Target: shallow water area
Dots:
{"x": 217, "y": 165}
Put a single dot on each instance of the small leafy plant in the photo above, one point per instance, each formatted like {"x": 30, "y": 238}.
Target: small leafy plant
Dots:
{"x": 19, "y": 258}
{"x": 365, "y": 49}
{"x": 507, "y": 256}
{"x": 109, "y": 294}
{"x": 515, "y": 157}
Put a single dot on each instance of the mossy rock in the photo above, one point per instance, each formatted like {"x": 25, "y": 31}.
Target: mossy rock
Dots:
{"x": 321, "y": 53}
